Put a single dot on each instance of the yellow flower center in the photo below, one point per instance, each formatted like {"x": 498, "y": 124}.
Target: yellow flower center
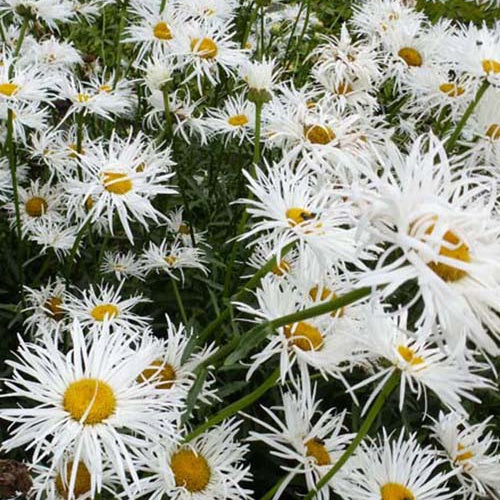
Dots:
{"x": 281, "y": 268}
{"x": 238, "y": 120}
{"x": 465, "y": 455}
{"x": 82, "y": 481}
{"x": 411, "y": 56}
{"x": 89, "y": 399}
{"x": 305, "y": 336}
{"x": 162, "y": 31}
{"x": 319, "y": 134}
{"x": 105, "y": 88}
{"x": 36, "y": 206}
{"x": 206, "y": 49}
{"x": 160, "y": 373}
{"x": 117, "y": 183}
{"x": 459, "y": 251}
{"x": 316, "y": 448}
{"x": 83, "y": 98}
{"x": 170, "y": 260}
{"x": 54, "y": 309}
{"x": 104, "y": 311}
{"x": 395, "y": 491}
{"x": 8, "y": 89}
{"x": 491, "y": 66}
{"x": 451, "y": 89}
{"x": 184, "y": 229}
{"x": 344, "y": 89}
{"x": 297, "y": 216}
{"x": 89, "y": 203}
{"x": 191, "y": 471}
{"x": 493, "y": 131}
{"x": 408, "y": 354}
{"x": 326, "y": 294}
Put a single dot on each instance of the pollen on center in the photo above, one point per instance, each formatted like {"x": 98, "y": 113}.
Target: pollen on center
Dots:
{"x": 238, "y": 120}
{"x": 162, "y": 31}
{"x": 36, "y": 206}
{"x": 396, "y": 491}
{"x": 319, "y": 134}
{"x": 191, "y": 470}
{"x": 408, "y": 354}
{"x": 490, "y": 66}
{"x": 296, "y": 216}
{"x": 316, "y": 449}
{"x": 206, "y": 48}
{"x": 82, "y": 481}
{"x": 8, "y": 89}
{"x": 411, "y": 56}
{"x": 90, "y": 399}
{"x": 451, "y": 89}
{"x": 304, "y": 336}
{"x": 117, "y": 182}
{"x": 104, "y": 311}
{"x": 161, "y": 374}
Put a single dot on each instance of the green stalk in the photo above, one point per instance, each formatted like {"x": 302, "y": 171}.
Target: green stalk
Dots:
{"x": 248, "y": 27}
{"x": 245, "y": 215}
{"x": 235, "y": 407}
{"x": 118, "y": 45}
{"x": 20, "y": 41}
{"x": 74, "y": 248}
{"x": 292, "y": 33}
{"x": 179, "y": 302}
{"x": 15, "y": 190}
{"x": 468, "y": 112}
{"x": 389, "y": 386}
{"x": 79, "y": 140}
{"x": 162, "y": 6}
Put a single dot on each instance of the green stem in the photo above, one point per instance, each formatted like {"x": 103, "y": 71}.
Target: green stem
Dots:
{"x": 79, "y": 140}
{"x": 15, "y": 190}
{"x": 468, "y": 112}
{"x": 162, "y": 6}
{"x": 389, "y": 386}
{"x": 250, "y": 23}
{"x": 270, "y": 494}
{"x": 235, "y": 407}
{"x": 74, "y": 249}
{"x": 20, "y": 40}
{"x": 118, "y": 44}
{"x": 306, "y": 23}
{"x": 179, "y": 302}
{"x": 292, "y": 33}
{"x": 245, "y": 215}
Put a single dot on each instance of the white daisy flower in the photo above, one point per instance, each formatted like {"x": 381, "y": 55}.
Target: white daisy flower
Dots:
{"x": 27, "y": 83}
{"x": 97, "y": 97}
{"x": 37, "y": 203}
{"x": 394, "y": 469}
{"x": 289, "y": 205}
{"x": 210, "y": 467}
{"x": 376, "y": 18}
{"x": 89, "y": 401}
{"x": 181, "y": 229}
{"x": 481, "y": 133}
{"x": 327, "y": 343}
{"x": 55, "y": 235}
{"x": 121, "y": 176}
{"x": 172, "y": 370}
{"x": 259, "y": 75}
{"x": 154, "y": 29}
{"x": 310, "y": 440}
{"x": 52, "y": 55}
{"x": 25, "y": 116}
{"x": 235, "y": 119}
{"x": 173, "y": 258}
{"x": 122, "y": 265}
{"x": 49, "y": 11}
{"x": 104, "y": 304}
{"x": 45, "y": 307}
{"x": 205, "y": 50}
{"x": 442, "y": 220}
{"x": 216, "y": 11}
{"x": 472, "y": 453}
{"x": 421, "y": 365}
{"x": 476, "y": 51}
